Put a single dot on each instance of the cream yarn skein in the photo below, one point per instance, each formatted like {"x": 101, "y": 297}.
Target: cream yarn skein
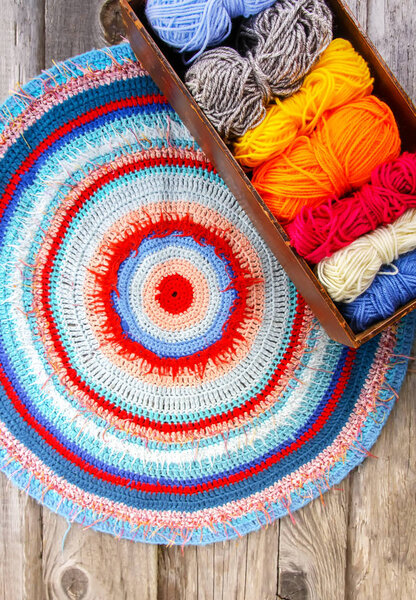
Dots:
{"x": 350, "y": 271}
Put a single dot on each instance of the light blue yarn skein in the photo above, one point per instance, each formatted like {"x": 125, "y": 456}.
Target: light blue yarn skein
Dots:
{"x": 387, "y": 293}
{"x": 191, "y": 25}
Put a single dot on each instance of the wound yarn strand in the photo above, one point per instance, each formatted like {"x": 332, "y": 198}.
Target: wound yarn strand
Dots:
{"x": 338, "y": 156}
{"x": 388, "y": 292}
{"x": 340, "y": 76}
{"x": 193, "y": 25}
{"x": 350, "y": 271}
{"x": 318, "y": 232}
{"x": 277, "y": 49}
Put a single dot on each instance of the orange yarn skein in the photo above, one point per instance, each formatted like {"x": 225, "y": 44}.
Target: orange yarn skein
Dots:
{"x": 347, "y": 144}
{"x": 340, "y": 76}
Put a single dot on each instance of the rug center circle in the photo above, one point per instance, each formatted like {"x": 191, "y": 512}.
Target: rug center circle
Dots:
{"x": 175, "y": 294}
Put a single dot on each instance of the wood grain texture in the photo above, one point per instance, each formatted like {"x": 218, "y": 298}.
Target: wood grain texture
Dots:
{"x": 22, "y": 56}
{"x": 358, "y": 545}
{"x": 391, "y": 25}
{"x": 71, "y": 27}
{"x": 261, "y": 569}
{"x": 22, "y": 42}
{"x": 222, "y": 571}
{"x": 382, "y": 515}
{"x": 81, "y": 564}
{"x": 360, "y": 10}
{"x": 313, "y": 550}
{"x": 20, "y": 544}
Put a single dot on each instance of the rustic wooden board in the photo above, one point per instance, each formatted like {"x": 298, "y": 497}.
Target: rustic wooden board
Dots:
{"x": 22, "y": 42}
{"x": 71, "y": 27}
{"x": 21, "y": 57}
{"x": 313, "y": 551}
{"x": 358, "y": 545}
{"x": 79, "y": 563}
{"x": 382, "y": 516}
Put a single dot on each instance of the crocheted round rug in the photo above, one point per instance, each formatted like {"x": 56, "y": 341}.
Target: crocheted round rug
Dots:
{"x": 162, "y": 379}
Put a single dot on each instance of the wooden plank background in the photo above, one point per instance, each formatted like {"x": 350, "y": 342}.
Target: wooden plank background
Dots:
{"x": 359, "y": 545}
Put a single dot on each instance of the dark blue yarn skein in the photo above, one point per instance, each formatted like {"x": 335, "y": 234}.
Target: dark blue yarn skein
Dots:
{"x": 385, "y": 295}
{"x": 191, "y": 25}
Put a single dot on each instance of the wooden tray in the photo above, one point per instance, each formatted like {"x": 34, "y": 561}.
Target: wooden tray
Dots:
{"x": 166, "y": 68}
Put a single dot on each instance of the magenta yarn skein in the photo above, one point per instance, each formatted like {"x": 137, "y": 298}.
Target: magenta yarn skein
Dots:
{"x": 318, "y": 232}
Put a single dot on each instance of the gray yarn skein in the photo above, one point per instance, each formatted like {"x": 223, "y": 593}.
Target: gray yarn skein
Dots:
{"x": 277, "y": 48}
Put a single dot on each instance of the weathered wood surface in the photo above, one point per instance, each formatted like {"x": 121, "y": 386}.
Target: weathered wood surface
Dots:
{"x": 359, "y": 545}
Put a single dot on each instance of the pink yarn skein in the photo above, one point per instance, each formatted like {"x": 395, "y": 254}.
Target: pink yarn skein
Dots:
{"x": 319, "y": 232}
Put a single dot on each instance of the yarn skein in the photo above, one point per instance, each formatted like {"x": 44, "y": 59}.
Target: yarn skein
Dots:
{"x": 319, "y": 231}
{"x": 338, "y": 156}
{"x": 190, "y": 25}
{"x": 388, "y": 292}
{"x": 350, "y": 271}
{"x": 278, "y": 48}
{"x": 340, "y": 76}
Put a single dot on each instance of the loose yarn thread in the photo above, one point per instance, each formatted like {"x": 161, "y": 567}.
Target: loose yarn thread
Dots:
{"x": 387, "y": 293}
{"x": 191, "y": 25}
{"x": 339, "y": 155}
{"x": 350, "y": 271}
{"x": 318, "y": 232}
{"x": 340, "y": 76}
{"x": 278, "y": 48}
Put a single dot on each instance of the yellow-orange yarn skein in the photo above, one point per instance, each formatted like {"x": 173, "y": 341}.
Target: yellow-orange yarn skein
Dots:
{"x": 347, "y": 144}
{"x": 340, "y": 76}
